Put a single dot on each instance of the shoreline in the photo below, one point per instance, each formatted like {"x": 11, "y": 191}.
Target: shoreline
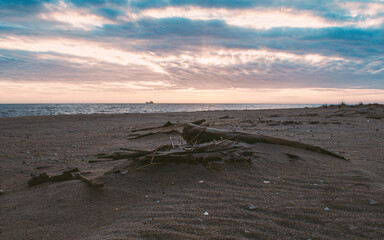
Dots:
{"x": 202, "y": 111}
{"x": 142, "y": 113}
{"x": 73, "y": 109}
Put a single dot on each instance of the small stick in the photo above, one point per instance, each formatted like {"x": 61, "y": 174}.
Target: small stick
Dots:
{"x": 90, "y": 182}
{"x": 170, "y": 139}
{"x": 194, "y": 145}
{"x": 224, "y": 140}
{"x": 153, "y": 156}
{"x": 148, "y": 165}
{"x": 195, "y": 138}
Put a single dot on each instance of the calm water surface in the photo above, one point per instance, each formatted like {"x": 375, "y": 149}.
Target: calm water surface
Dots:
{"x": 21, "y": 110}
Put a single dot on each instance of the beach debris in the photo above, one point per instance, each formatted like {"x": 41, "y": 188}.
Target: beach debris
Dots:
{"x": 89, "y": 181}
{"x": 206, "y": 213}
{"x": 1, "y": 192}
{"x": 167, "y": 128}
{"x": 251, "y": 207}
{"x": 201, "y": 181}
{"x": 124, "y": 155}
{"x": 267, "y": 182}
{"x": 170, "y": 139}
{"x": 43, "y": 177}
{"x": 293, "y": 157}
{"x": 209, "y": 134}
{"x": 211, "y": 147}
{"x": 157, "y": 201}
{"x": 42, "y": 167}
{"x": 65, "y": 176}
{"x": 373, "y": 202}
{"x": 326, "y": 208}
{"x": 198, "y": 122}
{"x": 38, "y": 179}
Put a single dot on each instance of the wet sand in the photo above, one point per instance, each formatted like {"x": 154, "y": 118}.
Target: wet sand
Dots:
{"x": 314, "y": 197}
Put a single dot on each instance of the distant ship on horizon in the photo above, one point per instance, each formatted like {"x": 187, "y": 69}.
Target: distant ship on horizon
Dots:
{"x": 150, "y": 102}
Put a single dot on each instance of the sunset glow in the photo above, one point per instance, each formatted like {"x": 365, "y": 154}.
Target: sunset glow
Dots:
{"x": 191, "y": 51}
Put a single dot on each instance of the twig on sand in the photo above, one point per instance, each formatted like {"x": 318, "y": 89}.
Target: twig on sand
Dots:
{"x": 153, "y": 156}
{"x": 170, "y": 139}
{"x": 148, "y": 165}
{"x": 195, "y": 138}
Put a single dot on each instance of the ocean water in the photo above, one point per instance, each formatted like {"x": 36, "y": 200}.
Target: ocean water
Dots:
{"x": 21, "y": 110}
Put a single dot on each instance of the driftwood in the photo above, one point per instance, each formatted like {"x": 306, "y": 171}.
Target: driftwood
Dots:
{"x": 123, "y": 155}
{"x": 90, "y": 182}
{"x": 207, "y": 146}
{"x": 167, "y": 128}
{"x": 38, "y": 179}
{"x": 43, "y": 177}
{"x": 65, "y": 176}
{"x": 205, "y": 134}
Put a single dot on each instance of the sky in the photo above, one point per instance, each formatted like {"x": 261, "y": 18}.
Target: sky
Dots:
{"x": 184, "y": 51}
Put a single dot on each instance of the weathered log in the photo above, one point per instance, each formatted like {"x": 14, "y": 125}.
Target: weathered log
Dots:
{"x": 43, "y": 177}
{"x": 206, "y": 134}
{"x": 124, "y": 155}
{"x": 38, "y": 179}
{"x": 167, "y": 125}
{"x": 198, "y": 122}
{"x": 61, "y": 178}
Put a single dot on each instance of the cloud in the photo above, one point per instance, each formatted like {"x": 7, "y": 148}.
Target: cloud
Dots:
{"x": 77, "y": 18}
{"x": 258, "y": 18}
{"x": 209, "y": 68}
{"x": 182, "y": 33}
{"x": 172, "y": 45}
{"x": 78, "y": 49}
{"x": 109, "y": 13}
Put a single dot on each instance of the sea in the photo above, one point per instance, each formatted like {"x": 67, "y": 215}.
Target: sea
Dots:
{"x": 23, "y": 110}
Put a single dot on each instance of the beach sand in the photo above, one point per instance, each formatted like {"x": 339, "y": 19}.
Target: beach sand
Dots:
{"x": 313, "y": 197}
